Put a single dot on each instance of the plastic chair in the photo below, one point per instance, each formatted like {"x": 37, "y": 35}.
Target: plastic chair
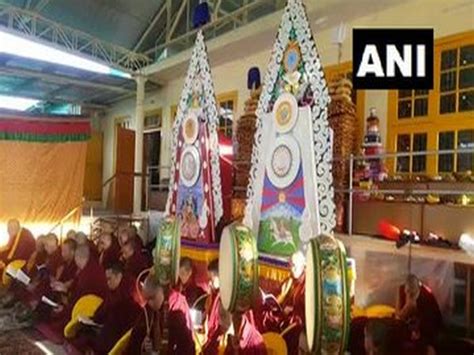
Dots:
{"x": 121, "y": 344}
{"x": 275, "y": 344}
{"x": 16, "y": 265}
{"x": 86, "y": 306}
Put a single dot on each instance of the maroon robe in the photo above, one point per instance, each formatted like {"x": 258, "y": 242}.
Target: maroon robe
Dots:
{"x": 90, "y": 280}
{"x": 110, "y": 255}
{"x": 139, "y": 331}
{"x": 69, "y": 271}
{"x": 19, "y": 247}
{"x": 191, "y": 291}
{"x": 295, "y": 300}
{"x": 214, "y": 331}
{"x": 136, "y": 264}
{"x": 116, "y": 314}
{"x": 428, "y": 319}
{"x": 50, "y": 270}
{"x": 250, "y": 340}
{"x": 180, "y": 326}
{"x": 93, "y": 249}
{"x": 37, "y": 259}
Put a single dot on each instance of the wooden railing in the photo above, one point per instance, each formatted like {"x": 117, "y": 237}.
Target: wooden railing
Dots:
{"x": 68, "y": 215}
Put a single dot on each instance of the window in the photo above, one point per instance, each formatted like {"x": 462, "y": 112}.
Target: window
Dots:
{"x": 419, "y": 145}
{"x": 411, "y": 143}
{"x": 403, "y": 146}
{"x": 465, "y": 160}
{"x": 451, "y": 140}
{"x": 153, "y": 119}
{"x": 457, "y": 80}
{"x": 412, "y": 103}
{"x": 227, "y": 105}
{"x": 446, "y": 161}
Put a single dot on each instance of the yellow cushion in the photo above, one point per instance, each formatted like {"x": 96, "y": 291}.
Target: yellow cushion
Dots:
{"x": 86, "y": 307}
{"x": 358, "y": 312}
{"x": 379, "y": 311}
{"x": 121, "y": 344}
{"x": 15, "y": 264}
{"x": 275, "y": 344}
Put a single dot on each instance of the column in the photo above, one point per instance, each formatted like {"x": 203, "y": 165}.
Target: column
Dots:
{"x": 139, "y": 123}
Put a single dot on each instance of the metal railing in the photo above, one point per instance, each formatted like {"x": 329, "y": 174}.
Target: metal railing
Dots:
{"x": 351, "y": 190}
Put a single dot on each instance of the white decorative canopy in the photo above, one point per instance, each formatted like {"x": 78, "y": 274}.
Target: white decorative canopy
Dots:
{"x": 199, "y": 78}
{"x": 295, "y": 27}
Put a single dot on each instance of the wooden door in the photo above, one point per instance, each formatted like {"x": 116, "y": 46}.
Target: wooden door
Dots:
{"x": 93, "y": 174}
{"x": 124, "y": 170}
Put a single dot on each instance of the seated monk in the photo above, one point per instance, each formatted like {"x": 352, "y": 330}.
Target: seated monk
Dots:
{"x": 186, "y": 283}
{"x": 291, "y": 300}
{"x": 61, "y": 283}
{"x": 116, "y": 315}
{"x": 180, "y": 326}
{"x": 213, "y": 304}
{"x": 109, "y": 250}
{"x": 21, "y": 244}
{"x": 38, "y": 258}
{"x": 147, "y": 333}
{"x": 135, "y": 261}
{"x": 90, "y": 279}
{"x": 417, "y": 306}
{"x": 82, "y": 239}
{"x": 240, "y": 334}
{"x": 128, "y": 234}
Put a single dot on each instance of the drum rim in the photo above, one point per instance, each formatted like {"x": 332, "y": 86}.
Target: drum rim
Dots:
{"x": 235, "y": 259}
{"x": 345, "y": 293}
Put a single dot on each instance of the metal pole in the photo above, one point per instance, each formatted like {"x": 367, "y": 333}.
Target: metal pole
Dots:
{"x": 351, "y": 185}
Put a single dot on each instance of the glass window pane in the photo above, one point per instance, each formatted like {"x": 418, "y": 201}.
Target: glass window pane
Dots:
{"x": 404, "y": 93}
{"x": 421, "y": 107}
{"x": 467, "y": 55}
{"x": 448, "y": 81}
{"x": 466, "y": 101}
{"x": 421, "y": 92}
{"x": 447, "y": 103}
{"x": 445, "y": 142}
{"x": 404, "y": 109}
{"x": 449, "y": 59}
{"x": 403, "y": 145}
{"x": 466, "y": 78}
{"x": 419, "y": 145}
{"x": 465, "y": 160}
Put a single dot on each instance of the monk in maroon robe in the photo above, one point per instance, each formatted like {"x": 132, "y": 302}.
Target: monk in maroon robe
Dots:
{"x": 180, "y": 326}
{"x": 135, "y": 261}
{"x": 37, "y": 259}
{"x": 291, "y": 300}
{"x": 187, "y": 283}
{"x": 82, "y": 239}
{"x": 418, "y": 308}
{"x": 147, "y": 333}
{"x": 213, "y": 304}
{"x": 90, "y": 279}
{"x": 21, "y": 244}
{"x": 109, "y": 250}
{"x": 246, "y": 338}
{"x": 116, "y": 314}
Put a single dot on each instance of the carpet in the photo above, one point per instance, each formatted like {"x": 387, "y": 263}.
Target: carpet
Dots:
{"x": 18, "y": 343}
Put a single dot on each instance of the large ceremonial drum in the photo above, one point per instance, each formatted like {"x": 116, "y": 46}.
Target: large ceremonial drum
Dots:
{"x": 167, "y": 251}
{"x": 327, "y": 306}
{"x": 238, "y": 268}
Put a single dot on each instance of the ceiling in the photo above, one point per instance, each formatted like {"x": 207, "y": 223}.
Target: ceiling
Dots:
{"x": 151, "y": 27}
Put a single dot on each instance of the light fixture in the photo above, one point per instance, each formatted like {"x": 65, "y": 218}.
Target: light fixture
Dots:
{"x": 23, "y": 47}
{"x": 16, "y": 103}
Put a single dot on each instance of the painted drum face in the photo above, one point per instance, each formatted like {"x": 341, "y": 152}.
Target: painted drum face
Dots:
{"x": 283, "y": 161}
{"x": 292, "y": 57}
{"x": 190, "y": 166}
{"x": 190, "y": 128}
{"x": 327, "y": 307}
{"x": 285, "y": 113}
{"x": 238, "y": 268}
{"x": 167, "y": 252}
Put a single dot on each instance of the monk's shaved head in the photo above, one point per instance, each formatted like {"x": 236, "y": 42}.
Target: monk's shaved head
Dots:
{"x": 13, "y": 227}
{"x": 51, "y": 243}
{"x": 82, "y": 255}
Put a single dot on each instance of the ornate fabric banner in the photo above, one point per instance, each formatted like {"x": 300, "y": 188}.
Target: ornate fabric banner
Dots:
{"x": 42, "y": 162}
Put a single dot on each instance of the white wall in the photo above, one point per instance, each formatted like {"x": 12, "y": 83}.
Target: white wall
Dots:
{"x": 446, "y": 17}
